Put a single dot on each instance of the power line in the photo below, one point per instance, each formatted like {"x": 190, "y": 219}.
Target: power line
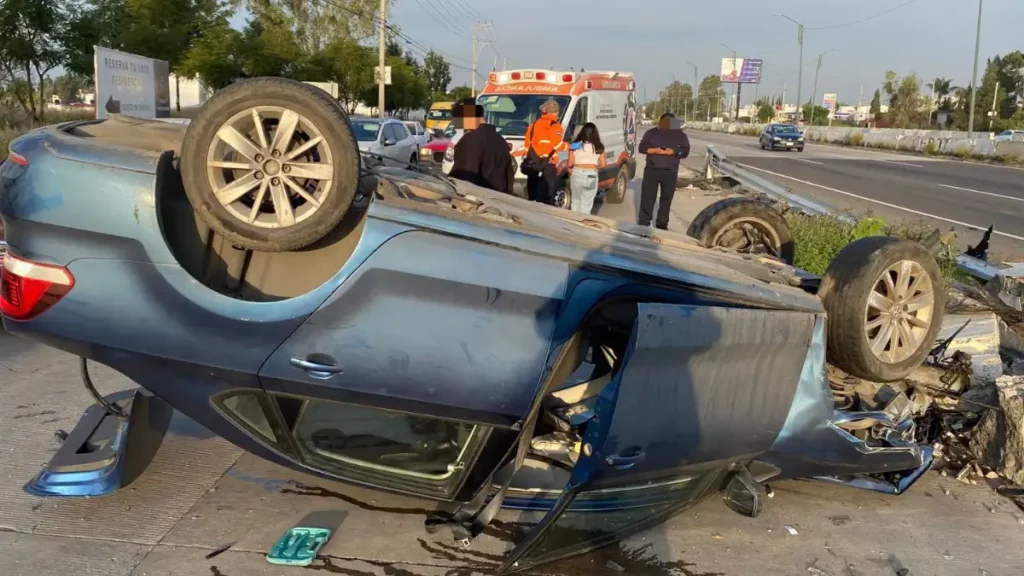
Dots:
{"x": 440, "y": 19}
{"x": 862, "y": 20}
{"x": 443, "y": 7}
{"x": 468, "y": 10}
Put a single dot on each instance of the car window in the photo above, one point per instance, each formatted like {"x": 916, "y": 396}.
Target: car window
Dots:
{"x": 392, "y": 131}
{"x": 365, "y": 131}
{"x": 437, "y": 114}
{"x": 1005, "y": 133}
{"x": 579, "y": 118}
{"x": 786, "y": 129}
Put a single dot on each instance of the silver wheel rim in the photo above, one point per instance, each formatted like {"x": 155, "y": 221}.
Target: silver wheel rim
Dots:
{"x": 621, "y": 185}
{"x": 746, "y": 234}
{"x": 561, "y": 199}
{"x": 270, "y": 167}
{"x": 899, "y": 311}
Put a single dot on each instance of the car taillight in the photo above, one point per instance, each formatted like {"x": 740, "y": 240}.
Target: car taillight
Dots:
{"x": 27, "y": 289}
{"x": 17, "y": 158}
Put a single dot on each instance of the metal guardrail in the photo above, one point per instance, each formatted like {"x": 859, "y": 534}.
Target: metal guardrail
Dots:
{"x": 717, "y": 165}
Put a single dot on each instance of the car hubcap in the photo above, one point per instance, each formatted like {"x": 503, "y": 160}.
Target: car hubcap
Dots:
{"x": 749, "y": 235}
{"x": 561, "y": 199}
{"x": 899, "y": 311}
{"x": 270, "y": 167}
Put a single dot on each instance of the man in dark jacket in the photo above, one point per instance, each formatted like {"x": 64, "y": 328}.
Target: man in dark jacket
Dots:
{"x": 664, "y": 147}
{"x": 481, "y": 155}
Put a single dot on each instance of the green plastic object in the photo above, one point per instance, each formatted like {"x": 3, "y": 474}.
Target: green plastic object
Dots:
{"x": 298, "y": 546}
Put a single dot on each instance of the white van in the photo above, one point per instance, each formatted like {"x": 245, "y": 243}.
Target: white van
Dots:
{"x": 511, "y": 100}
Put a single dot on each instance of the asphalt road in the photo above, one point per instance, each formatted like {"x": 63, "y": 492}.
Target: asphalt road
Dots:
{"x": 948, "y": 194}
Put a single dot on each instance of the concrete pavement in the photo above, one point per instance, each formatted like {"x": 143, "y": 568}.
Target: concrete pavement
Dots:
{"x": 948, "y": 194}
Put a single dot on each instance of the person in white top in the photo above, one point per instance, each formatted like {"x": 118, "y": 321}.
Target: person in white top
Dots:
{"x": 586, "y": 158}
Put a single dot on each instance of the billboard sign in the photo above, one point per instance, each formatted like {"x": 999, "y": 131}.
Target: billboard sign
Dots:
{"x": 741, "y": 70}
{"x": 130, "y": 84}
{"x": 829, "y": 101}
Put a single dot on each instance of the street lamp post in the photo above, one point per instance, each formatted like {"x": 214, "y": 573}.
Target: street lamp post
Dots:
{"x": 696, "y": 93}
{"x": 815, "y": 94}
{"x": 800, "y": 73}
{"x": 732, "y": 90}
{"x": 974, "y": 77}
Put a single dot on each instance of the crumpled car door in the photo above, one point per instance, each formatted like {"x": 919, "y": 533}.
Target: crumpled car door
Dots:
{"x": 700, "y": 389}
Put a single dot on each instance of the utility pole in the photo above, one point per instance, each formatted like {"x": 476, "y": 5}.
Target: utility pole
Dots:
{"x": 696, "y": 89}
{"x": 732, "y": 88}
{"x": 504, "y": 63}
{"x": 380, "y": 58}
{"x": 478, "y": 47}
{"x": 974, "y": 77}
{"x": 784, "y": 96}
{"x": 814, "y": 95}
{"x": 992, "y": 114}
{"x": 800, "y": 74}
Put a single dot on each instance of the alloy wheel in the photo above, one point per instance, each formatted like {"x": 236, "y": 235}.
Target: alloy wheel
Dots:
{"x": 270, "y": 167}
{"x": 900, "y": 309}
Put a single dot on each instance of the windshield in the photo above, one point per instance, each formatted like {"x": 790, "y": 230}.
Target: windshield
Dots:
{"x": 366, "y": 130}
{"x": 512, "y": 114}
{"x": 786, "y": 129}
{"x": 440, "y": 114}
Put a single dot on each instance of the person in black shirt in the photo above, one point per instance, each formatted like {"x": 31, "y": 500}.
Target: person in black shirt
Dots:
{"x": 481, "y": 155}
{"x": 664, "y": 147}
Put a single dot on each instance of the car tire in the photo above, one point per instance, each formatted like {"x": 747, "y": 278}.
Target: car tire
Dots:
{"x": 800, "y": 149}
{"x": 872, "y": 313}
{"x": 617, "y": 193}
{"x": 563, "y": 195}
{"x": 255, "y": 198}
{"x": 718, "y": 225}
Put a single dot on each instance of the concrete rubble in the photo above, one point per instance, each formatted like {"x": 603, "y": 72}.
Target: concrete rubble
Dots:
{"x": 998, "y": 439}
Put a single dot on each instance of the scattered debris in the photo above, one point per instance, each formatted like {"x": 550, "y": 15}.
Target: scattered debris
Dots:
{"x": 839, "y": 520}
{"x": 769, "y": 491}
{"x": 817, "y": 571}
{"x": 60, "y": 435}
{"x": 792, "y": 531}
{"x": 717, "y": 536}
{"x": 945, "y": 491}
{"x": 614, "y": 566}
{"x": 991, "y": 475}
{"x": 998, "y": 440}
{"x": 220, "y": 550}
{"x": 947, "y": 556}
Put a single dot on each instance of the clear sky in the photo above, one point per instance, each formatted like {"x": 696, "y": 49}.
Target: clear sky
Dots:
{"x": 654, "y": 38}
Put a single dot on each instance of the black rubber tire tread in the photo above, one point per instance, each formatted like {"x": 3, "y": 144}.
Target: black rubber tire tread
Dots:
{"x": 613, "y": 197}
{"x": 320, "y": 108}
{"x": 717, "y": 216}
{"x": 844, "y": 292}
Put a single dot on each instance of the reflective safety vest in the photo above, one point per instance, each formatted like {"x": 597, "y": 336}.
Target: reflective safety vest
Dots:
{"x": 546, "y": 136}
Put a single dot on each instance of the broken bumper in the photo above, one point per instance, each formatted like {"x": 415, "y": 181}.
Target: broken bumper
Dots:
{"x": 105, "y": 452}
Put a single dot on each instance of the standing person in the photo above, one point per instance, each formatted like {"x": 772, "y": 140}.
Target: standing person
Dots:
{"x": 544, "y": 139}
{"x": 664, "y": 147}
{"x": 585, "y": 161}
{"x": 481, "y": 154}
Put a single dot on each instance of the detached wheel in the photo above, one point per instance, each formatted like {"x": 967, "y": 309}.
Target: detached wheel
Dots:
{"x": 271, "y": 164}
{"x": 884, "y": 299}
{"x": 617, "y": 193}
{"x": 744, "y": 225}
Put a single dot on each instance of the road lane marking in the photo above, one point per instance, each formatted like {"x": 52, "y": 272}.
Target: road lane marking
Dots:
{"x": 866, "y": 199}
{"x": 809, "y": 161}
{"x": 985, "y": 193}
{"x": 903, "y": 163}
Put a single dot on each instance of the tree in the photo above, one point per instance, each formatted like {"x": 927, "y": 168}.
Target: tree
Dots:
{"x": 460, "y": 93}
{"x": 815, "y": 115}
{"x": 876, "y": 103}
{"x": 942, "y": 88}
{"x": 676, "y": 98}
{"x": 317, "y": 24}
{"x": 766, "y": 112}
{"x": 32, "y": 43}
{"x": 709, "y": 97}
{"x": 438, "y": 72}
{"x": 217, "y": 58}
{"x": 907, "y": 109}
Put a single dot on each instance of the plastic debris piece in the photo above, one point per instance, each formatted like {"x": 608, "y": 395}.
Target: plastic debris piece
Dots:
{"x": 220, "y": 550}
{"x": 792, "y": 531}
{"x": 298, "y": 546}
{"x": 717, "y": 536}
{"x": 614, "y": 566}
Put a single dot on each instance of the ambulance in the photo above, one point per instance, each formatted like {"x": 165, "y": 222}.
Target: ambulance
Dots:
{"x": 511, "y": 100}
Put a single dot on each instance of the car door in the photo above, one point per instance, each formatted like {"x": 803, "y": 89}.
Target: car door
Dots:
{"x": 407, "y": 142}
{"x": 701, "y": 389}
{"x": 415, "y": 372}
{"x": 389, "y": 143}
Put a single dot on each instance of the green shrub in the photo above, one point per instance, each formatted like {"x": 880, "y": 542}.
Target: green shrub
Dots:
{"x": 931, "y": 149}
{"x": 856, "y": 139}
{"x": 963, "y": 152}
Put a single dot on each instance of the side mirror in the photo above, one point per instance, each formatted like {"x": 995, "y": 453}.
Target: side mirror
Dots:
{"x": 390, "y": 142}
{"x": 743, "y": 494}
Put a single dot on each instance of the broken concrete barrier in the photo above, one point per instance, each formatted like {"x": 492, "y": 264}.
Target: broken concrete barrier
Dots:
{"x": 998, "y": 440}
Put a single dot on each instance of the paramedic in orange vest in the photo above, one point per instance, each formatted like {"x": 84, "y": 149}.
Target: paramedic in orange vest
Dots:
{"x": 545, "y": 138}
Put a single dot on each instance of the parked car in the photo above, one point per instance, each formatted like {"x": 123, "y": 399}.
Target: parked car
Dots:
{"x": 421, "y": 134}
{"x": 399, "y": 331}
{"x": 439, "y": 116}
{"x": 782, "y": 136}
{"x": 1010, "y": 136}
{"x": 434, "y": 150}
{"x": 388, "y": 138}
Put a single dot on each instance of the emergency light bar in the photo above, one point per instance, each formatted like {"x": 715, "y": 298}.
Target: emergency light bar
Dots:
{"x": 531, "y": 75}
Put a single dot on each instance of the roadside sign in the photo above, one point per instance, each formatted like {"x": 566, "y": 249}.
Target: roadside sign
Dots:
{"x": 387, "y": 75}
{"x": 741, "y": 70}
{"x": 829, "y": 101}
{"x": 130, "y": 84}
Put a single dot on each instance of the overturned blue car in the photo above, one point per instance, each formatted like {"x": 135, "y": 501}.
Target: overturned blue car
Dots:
{"x": 406, "y": 332}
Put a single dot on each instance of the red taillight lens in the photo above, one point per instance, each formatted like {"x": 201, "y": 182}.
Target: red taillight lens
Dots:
{"x": 541, "y": 76}
{"x": 27, "y": 289}
{"x": 517, "y": 76}
{"x": 17, "y": 158}
{"x": 566, "y": 77}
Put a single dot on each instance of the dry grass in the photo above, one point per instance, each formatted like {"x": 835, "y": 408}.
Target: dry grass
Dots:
{"x": 14, "y": 122}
